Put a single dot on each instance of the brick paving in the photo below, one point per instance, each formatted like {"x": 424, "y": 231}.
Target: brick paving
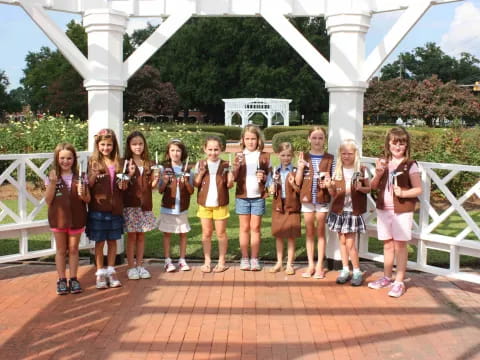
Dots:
{"x": 235, "y": 315}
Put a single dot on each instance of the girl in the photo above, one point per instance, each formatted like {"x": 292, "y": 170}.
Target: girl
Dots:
{"x": 314, "y": 169}
{"x": 177, "y": 187}
{"x": 66, "y": 197}
{"x": 137, "y": 203}
{"x": 105, "y": 220}
{"x": 397, "y": 179}
{"x": 349, "y": 192}
{"x": 251, "y": 167}
{"x": 285, "y": 208}
{"x": 213, "y": 179}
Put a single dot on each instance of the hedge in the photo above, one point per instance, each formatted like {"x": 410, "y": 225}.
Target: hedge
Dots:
{"x": 271, "y": 131}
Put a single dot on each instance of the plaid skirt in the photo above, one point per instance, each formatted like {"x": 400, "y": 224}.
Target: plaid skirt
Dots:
{"x": 346, "y": 223}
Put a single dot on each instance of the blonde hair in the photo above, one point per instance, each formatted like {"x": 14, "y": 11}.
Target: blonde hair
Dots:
{"x": 56, "y": 153}
{"x": 284, "y": 146}
{"x": 347, "y": 143}
{"x": 395, "y": 135}
{"x": 96, "y": 160}
{"x": 254, "y": 129}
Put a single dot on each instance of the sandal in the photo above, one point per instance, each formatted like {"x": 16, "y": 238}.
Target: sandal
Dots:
{"x": 205, "y": 268}
{"x": 220, "y": 268}
{"x": 307, "y": 274}
{"x": 289, "y": 270}
{"x": 276, "y": 268}
{"x": 319, "y": 275}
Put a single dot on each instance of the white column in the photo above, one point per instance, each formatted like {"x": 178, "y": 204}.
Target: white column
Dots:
{"x": 347, "y": 54}
{"x": 105, "y": 29}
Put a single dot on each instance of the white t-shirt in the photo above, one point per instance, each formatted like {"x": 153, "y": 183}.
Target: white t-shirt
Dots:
{"x": 347, "y": 176}
{"x": 251, "y": 160}
{"x": 212, "y": 195}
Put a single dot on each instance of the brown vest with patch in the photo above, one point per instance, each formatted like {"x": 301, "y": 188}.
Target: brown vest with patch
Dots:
{"x": 170, "y": 192}
{"x": 220, "y": 179}
{"x": 359, "y": 199}
{"x": 139, "y": 191}
{"x": 241, "y": 175}
{"x": 67, "y": 210}
{"x": 291, "y": 203}
{"x": 306, "y": 190}
{"x": 400, "y": 205}
{"x": 103, "y": 199}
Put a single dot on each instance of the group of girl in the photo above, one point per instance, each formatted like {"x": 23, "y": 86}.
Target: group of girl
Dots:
{"x": 326, "y": 190}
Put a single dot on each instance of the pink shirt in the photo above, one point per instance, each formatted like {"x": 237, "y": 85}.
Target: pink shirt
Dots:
{"x": 66, "y": 178}
{"x": 388, "y": 195}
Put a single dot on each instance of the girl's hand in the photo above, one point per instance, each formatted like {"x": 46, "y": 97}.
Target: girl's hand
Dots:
{"x": 131, "y": 168}
{"x": 271, "y": 189}
{"x": 52, "y": 176}
{"x": 397, "y": 191}
{"x": 260, "y": 175}
{"x": 230, "y": 178}
{"x": 166, "y": 176}
{"x": 202, "y": 167}
{"x": 380, "y": 166}
{"x": 301, "y": 164}
{"x": 122, "y": 185}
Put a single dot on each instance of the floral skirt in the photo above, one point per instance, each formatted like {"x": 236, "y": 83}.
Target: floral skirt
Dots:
{"x": 137, "y": 220}
{"x": 346, "y": 223}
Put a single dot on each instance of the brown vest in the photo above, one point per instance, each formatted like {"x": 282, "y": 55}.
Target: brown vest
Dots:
{"x": 139, "y": 191}
{"x": 67, "y": 210}
{"x": 170, "y": 192}
{"x": 241, "y": 176}
{"x": 291, "y": 203}
{"x": 359, "y": 199}
{"x": 102, "y": 197}
{"x": 220, "y": 179}
{"x": 400, "y": 205}
{"x": 306, "y": 190}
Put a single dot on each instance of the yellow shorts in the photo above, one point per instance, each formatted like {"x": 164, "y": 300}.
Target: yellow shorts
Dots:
{"x": 215, "y": 213}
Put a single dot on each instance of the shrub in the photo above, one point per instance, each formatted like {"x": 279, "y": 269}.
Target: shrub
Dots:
{"x": 298, "y": 139}
{"x": 271, "y": 131}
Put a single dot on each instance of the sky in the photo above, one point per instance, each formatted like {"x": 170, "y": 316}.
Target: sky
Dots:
{"x": 455, "y": 27}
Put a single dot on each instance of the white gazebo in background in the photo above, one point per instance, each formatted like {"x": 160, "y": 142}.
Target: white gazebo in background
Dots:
{"x": 247, "y": 107}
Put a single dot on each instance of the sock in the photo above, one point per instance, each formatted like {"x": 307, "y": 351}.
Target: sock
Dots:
{"x": 356, "y": 270}
{"x": 110, "y": 270}
{"x": 168, "y": 260}
{"x": 346, "y": 269}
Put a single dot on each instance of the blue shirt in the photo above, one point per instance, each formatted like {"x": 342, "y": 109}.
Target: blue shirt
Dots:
{"x": 176, "y": 210}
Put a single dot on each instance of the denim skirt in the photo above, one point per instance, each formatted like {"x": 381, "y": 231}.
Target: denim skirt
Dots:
{"x": 103, "y": 226}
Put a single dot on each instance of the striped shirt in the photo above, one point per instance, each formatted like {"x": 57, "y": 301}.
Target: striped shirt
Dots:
{"x": 316, "y": 159}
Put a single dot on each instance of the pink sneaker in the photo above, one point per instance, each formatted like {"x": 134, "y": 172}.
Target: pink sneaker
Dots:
{"x": 398, "y": 289}
{"x": 383, "y": 282}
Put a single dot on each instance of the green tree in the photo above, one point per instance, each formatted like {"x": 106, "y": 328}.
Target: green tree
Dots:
{"x": 213, "y": 58}
{"x": 423, "y": 62}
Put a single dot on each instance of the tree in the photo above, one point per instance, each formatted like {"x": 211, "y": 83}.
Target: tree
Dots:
{"x": 429, "y": 99}
{"x": 209, "y": 59}
{"x": 146, "y": 92}
{"x": 423, "y": 62}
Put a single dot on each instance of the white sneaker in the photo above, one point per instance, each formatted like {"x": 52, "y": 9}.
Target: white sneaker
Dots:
{"x": 255, "y": 265}
{"x": 244, "y": 264}
{"x": 169, "y": 267}
{"x": 182, "y": 265}
{"x": 101, "y": 282}
{"x": 143, "y": 273}
{"x": 133, "y": 274}
{"x": 112, "y": 280}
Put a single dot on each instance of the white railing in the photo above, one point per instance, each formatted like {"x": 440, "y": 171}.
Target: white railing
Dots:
{"x": 24, "y": 210}
{"x": 23, "y": 222}
{"x": 424, "y": 235}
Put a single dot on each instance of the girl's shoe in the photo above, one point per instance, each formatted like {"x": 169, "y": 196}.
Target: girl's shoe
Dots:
{"x": 112, "y": 280}
{"x": 101, "y": 282}
{"x": 277, "y": 268}
{"x": 381, "y": 283}
{"x": 182, "y": 265}
{"x": 290, "y": 270}
{"x": 143, "y": 273}
{"x": 255, "y": 265}
{"x": 169, "y": 267}
{"x": 245, "y": 264}
{"x": 62, "y": 287}
{"x": 343, "y": 277}
{"x": 308, "y": 273}
{"x": 357, "y": 279}
{"x": 74, "y": 286}
{"x": 133, "y": 274}
{"x": 398, "y": 289}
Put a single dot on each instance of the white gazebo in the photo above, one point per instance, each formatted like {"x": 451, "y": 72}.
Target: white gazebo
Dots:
{"x": 247, "y": 107}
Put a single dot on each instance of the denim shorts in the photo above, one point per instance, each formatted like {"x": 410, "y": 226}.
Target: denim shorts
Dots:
{"x": 250, "y": 206}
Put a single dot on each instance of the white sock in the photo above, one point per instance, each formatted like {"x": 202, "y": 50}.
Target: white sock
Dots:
{"x": 346, "y": 269}
{"x": 356, "y": 270}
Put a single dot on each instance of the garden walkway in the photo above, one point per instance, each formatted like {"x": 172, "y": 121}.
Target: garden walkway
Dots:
{"x": 235, "y": 315}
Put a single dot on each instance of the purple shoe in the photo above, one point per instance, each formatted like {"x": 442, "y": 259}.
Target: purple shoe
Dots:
{"x": 398, "y": 289}
{"x": 383, "y": 282}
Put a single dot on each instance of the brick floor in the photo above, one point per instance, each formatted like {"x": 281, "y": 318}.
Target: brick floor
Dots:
{"x": 235, "y": 315}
